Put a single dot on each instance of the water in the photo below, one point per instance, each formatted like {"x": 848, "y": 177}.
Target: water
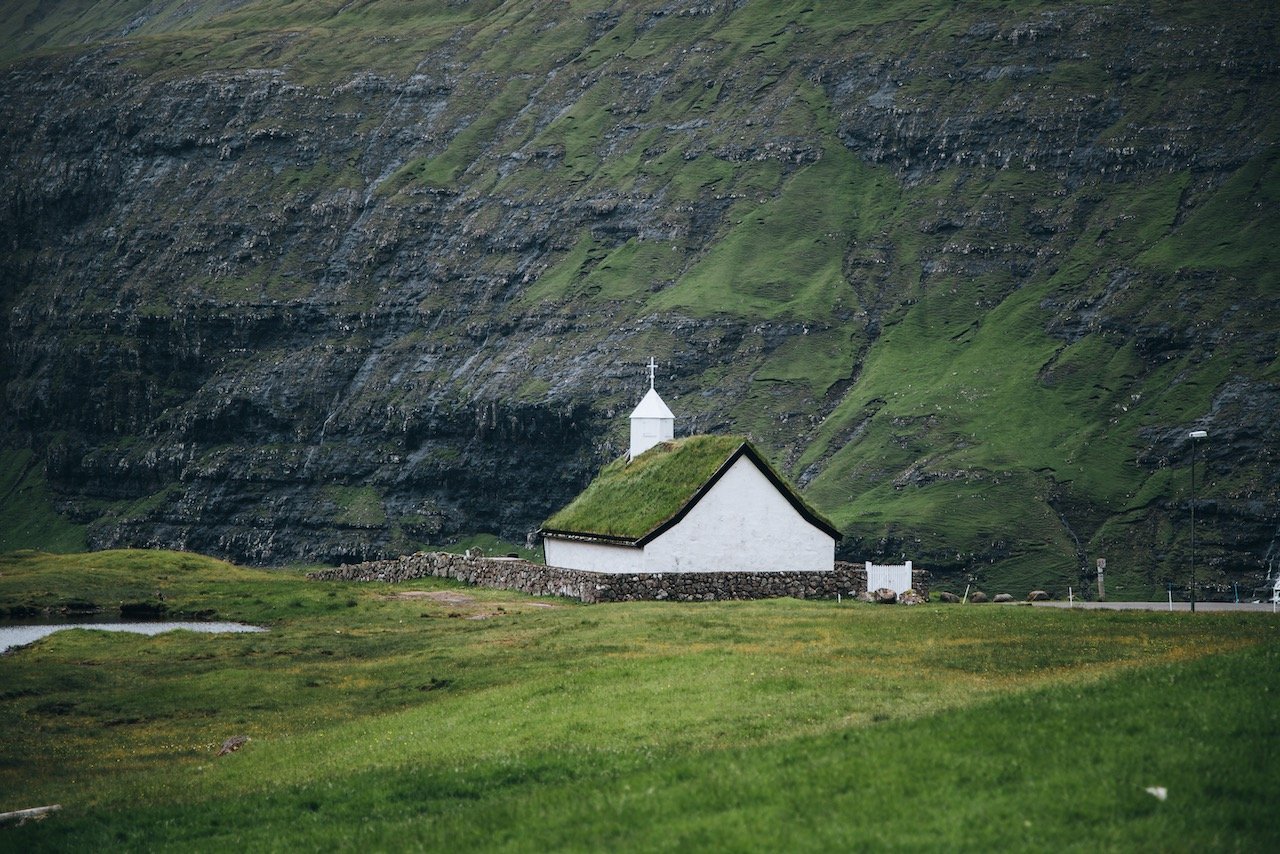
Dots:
{"x": 15, "y": 636}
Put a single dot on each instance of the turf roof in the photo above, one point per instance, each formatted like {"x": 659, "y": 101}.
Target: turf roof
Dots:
{"x": 630, "y": 500}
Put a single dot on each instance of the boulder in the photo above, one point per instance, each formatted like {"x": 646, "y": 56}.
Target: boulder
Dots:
{"x": 885, "y": 596}
{"x": 977, "y": 597}
{"x": 864, "y": 596}
{"x": 911, "y": 597}
{"x": 143, "y": 610}
{"x": 948, "y": 597}
{"x": 1002, "y": 597}
{"x": 1037, "y": 596}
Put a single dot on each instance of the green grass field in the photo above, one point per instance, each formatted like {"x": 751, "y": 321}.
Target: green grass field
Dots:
{"x": 431, "y": 716}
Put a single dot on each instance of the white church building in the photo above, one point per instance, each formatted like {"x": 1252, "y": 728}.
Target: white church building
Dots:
{"x": 695, "y": 504}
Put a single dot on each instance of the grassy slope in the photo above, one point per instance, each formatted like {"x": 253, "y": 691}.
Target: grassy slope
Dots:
{"x": 27, "y": 518}
{"x": 381, "y": 722}
{"x": 963, "y": 447}
{"x": 955, "y": 389}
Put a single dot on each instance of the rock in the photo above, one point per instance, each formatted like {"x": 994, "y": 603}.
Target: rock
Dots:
{"x": 864, "y": 596}
{"x": 977, "y": 597}
{"x": 911, "y": 597}
{"x": 1037, "y": 596}
{"x": 884, "y": 596}
{"x": 1002, "y": 597}
{"x": 949, "y": 598}
{"x": 143, "y": 610}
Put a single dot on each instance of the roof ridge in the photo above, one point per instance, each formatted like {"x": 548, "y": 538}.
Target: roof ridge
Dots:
{"x": 643, "y": 479}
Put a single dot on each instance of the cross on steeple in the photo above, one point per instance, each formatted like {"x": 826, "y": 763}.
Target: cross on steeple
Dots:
{"x": 651, "y": 420}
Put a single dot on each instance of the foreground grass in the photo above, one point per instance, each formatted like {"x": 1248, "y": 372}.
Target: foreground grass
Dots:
{"x": 391, "y": 722}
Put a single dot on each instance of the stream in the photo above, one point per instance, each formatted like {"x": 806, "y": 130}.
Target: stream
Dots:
{"x": 12, "y": 636}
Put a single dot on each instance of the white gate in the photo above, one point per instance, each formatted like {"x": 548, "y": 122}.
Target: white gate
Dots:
{"x": 896, "y": 577}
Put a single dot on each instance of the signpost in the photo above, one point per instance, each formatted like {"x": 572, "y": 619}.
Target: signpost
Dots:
{"x": 1194, "y": 436}
{"x": 1102, "y": 591}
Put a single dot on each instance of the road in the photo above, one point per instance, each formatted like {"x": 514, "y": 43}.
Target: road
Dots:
{"x": 1161, "y": 606}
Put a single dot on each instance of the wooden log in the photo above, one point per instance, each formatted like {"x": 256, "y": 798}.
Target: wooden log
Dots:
{"x": 23, "y": 816}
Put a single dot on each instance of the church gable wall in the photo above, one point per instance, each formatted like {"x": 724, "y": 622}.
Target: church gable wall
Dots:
{"x": 742, "y": 524}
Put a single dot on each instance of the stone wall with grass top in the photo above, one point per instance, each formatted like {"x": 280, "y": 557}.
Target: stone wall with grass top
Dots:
{"x": 845, "y": 579}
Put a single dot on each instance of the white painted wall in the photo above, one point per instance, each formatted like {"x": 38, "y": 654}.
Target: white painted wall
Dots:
{"x": 651, "y": 423}
{"x": 742, "y": 525}
{"x": 594, "y": 557}
{"x": 897, "y": 577}
{"x": 647, "y": 432}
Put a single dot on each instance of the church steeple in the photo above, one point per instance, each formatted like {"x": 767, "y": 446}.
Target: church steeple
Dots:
{"x": 651, "y": 421}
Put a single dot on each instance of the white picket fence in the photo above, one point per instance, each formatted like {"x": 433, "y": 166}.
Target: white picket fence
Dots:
{"x": 896, "y": 577}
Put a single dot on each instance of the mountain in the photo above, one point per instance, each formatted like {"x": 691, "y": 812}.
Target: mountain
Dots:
{"x": 331, "y": 280}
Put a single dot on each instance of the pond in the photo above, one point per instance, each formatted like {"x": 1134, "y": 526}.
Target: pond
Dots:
{"x": 14, "y": 636}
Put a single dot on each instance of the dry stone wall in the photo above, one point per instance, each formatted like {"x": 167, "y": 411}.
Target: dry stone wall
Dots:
{"x": 845, "y": 579}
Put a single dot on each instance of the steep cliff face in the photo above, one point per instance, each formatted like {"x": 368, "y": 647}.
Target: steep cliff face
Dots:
{"x": 330, "y": 284}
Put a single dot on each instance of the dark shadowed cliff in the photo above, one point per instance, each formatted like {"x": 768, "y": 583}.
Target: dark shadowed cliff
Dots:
{"x": 333, "y": 280}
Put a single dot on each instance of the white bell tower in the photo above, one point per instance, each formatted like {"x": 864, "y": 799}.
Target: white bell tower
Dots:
{"x": 651, "y": 421}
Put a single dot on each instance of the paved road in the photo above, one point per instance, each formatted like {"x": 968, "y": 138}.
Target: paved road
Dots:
{"x": 1160, "y": 606}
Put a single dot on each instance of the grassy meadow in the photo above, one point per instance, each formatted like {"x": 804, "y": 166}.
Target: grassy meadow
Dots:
{"x": 430, "y": 715}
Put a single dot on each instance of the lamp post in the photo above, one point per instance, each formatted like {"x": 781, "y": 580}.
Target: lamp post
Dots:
{"x": 1194, "y": 436}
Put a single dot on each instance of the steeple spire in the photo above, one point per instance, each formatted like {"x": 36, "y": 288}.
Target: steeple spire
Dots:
{"x": 651, "y": 421}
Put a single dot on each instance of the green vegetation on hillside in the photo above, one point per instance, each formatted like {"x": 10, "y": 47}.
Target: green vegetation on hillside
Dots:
{"x": 356, "y": 505}
{"x": 27, "y": 515}
{"x": 429, "y": 715}
{"x": 968, "y": 271}
{"x": 784, "y": 257}
{"x": 490, "y": 545}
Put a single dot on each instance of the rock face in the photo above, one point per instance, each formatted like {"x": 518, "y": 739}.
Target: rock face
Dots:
{"x": 278, "y": 306}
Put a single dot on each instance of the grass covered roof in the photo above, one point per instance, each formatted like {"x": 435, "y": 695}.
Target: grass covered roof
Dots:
{"x": 630, "y": 500}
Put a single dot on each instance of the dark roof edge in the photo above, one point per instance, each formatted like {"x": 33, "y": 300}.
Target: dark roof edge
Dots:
{"x": 608, "y": 539}
{"x": 801, "y": 506}
{"x": 748, "y": 450}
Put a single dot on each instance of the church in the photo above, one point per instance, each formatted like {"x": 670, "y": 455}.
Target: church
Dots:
{"x": 695, "y": 504}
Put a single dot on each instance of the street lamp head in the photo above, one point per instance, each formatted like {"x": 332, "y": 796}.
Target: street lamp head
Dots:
{"x": 1198, "y": 434}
